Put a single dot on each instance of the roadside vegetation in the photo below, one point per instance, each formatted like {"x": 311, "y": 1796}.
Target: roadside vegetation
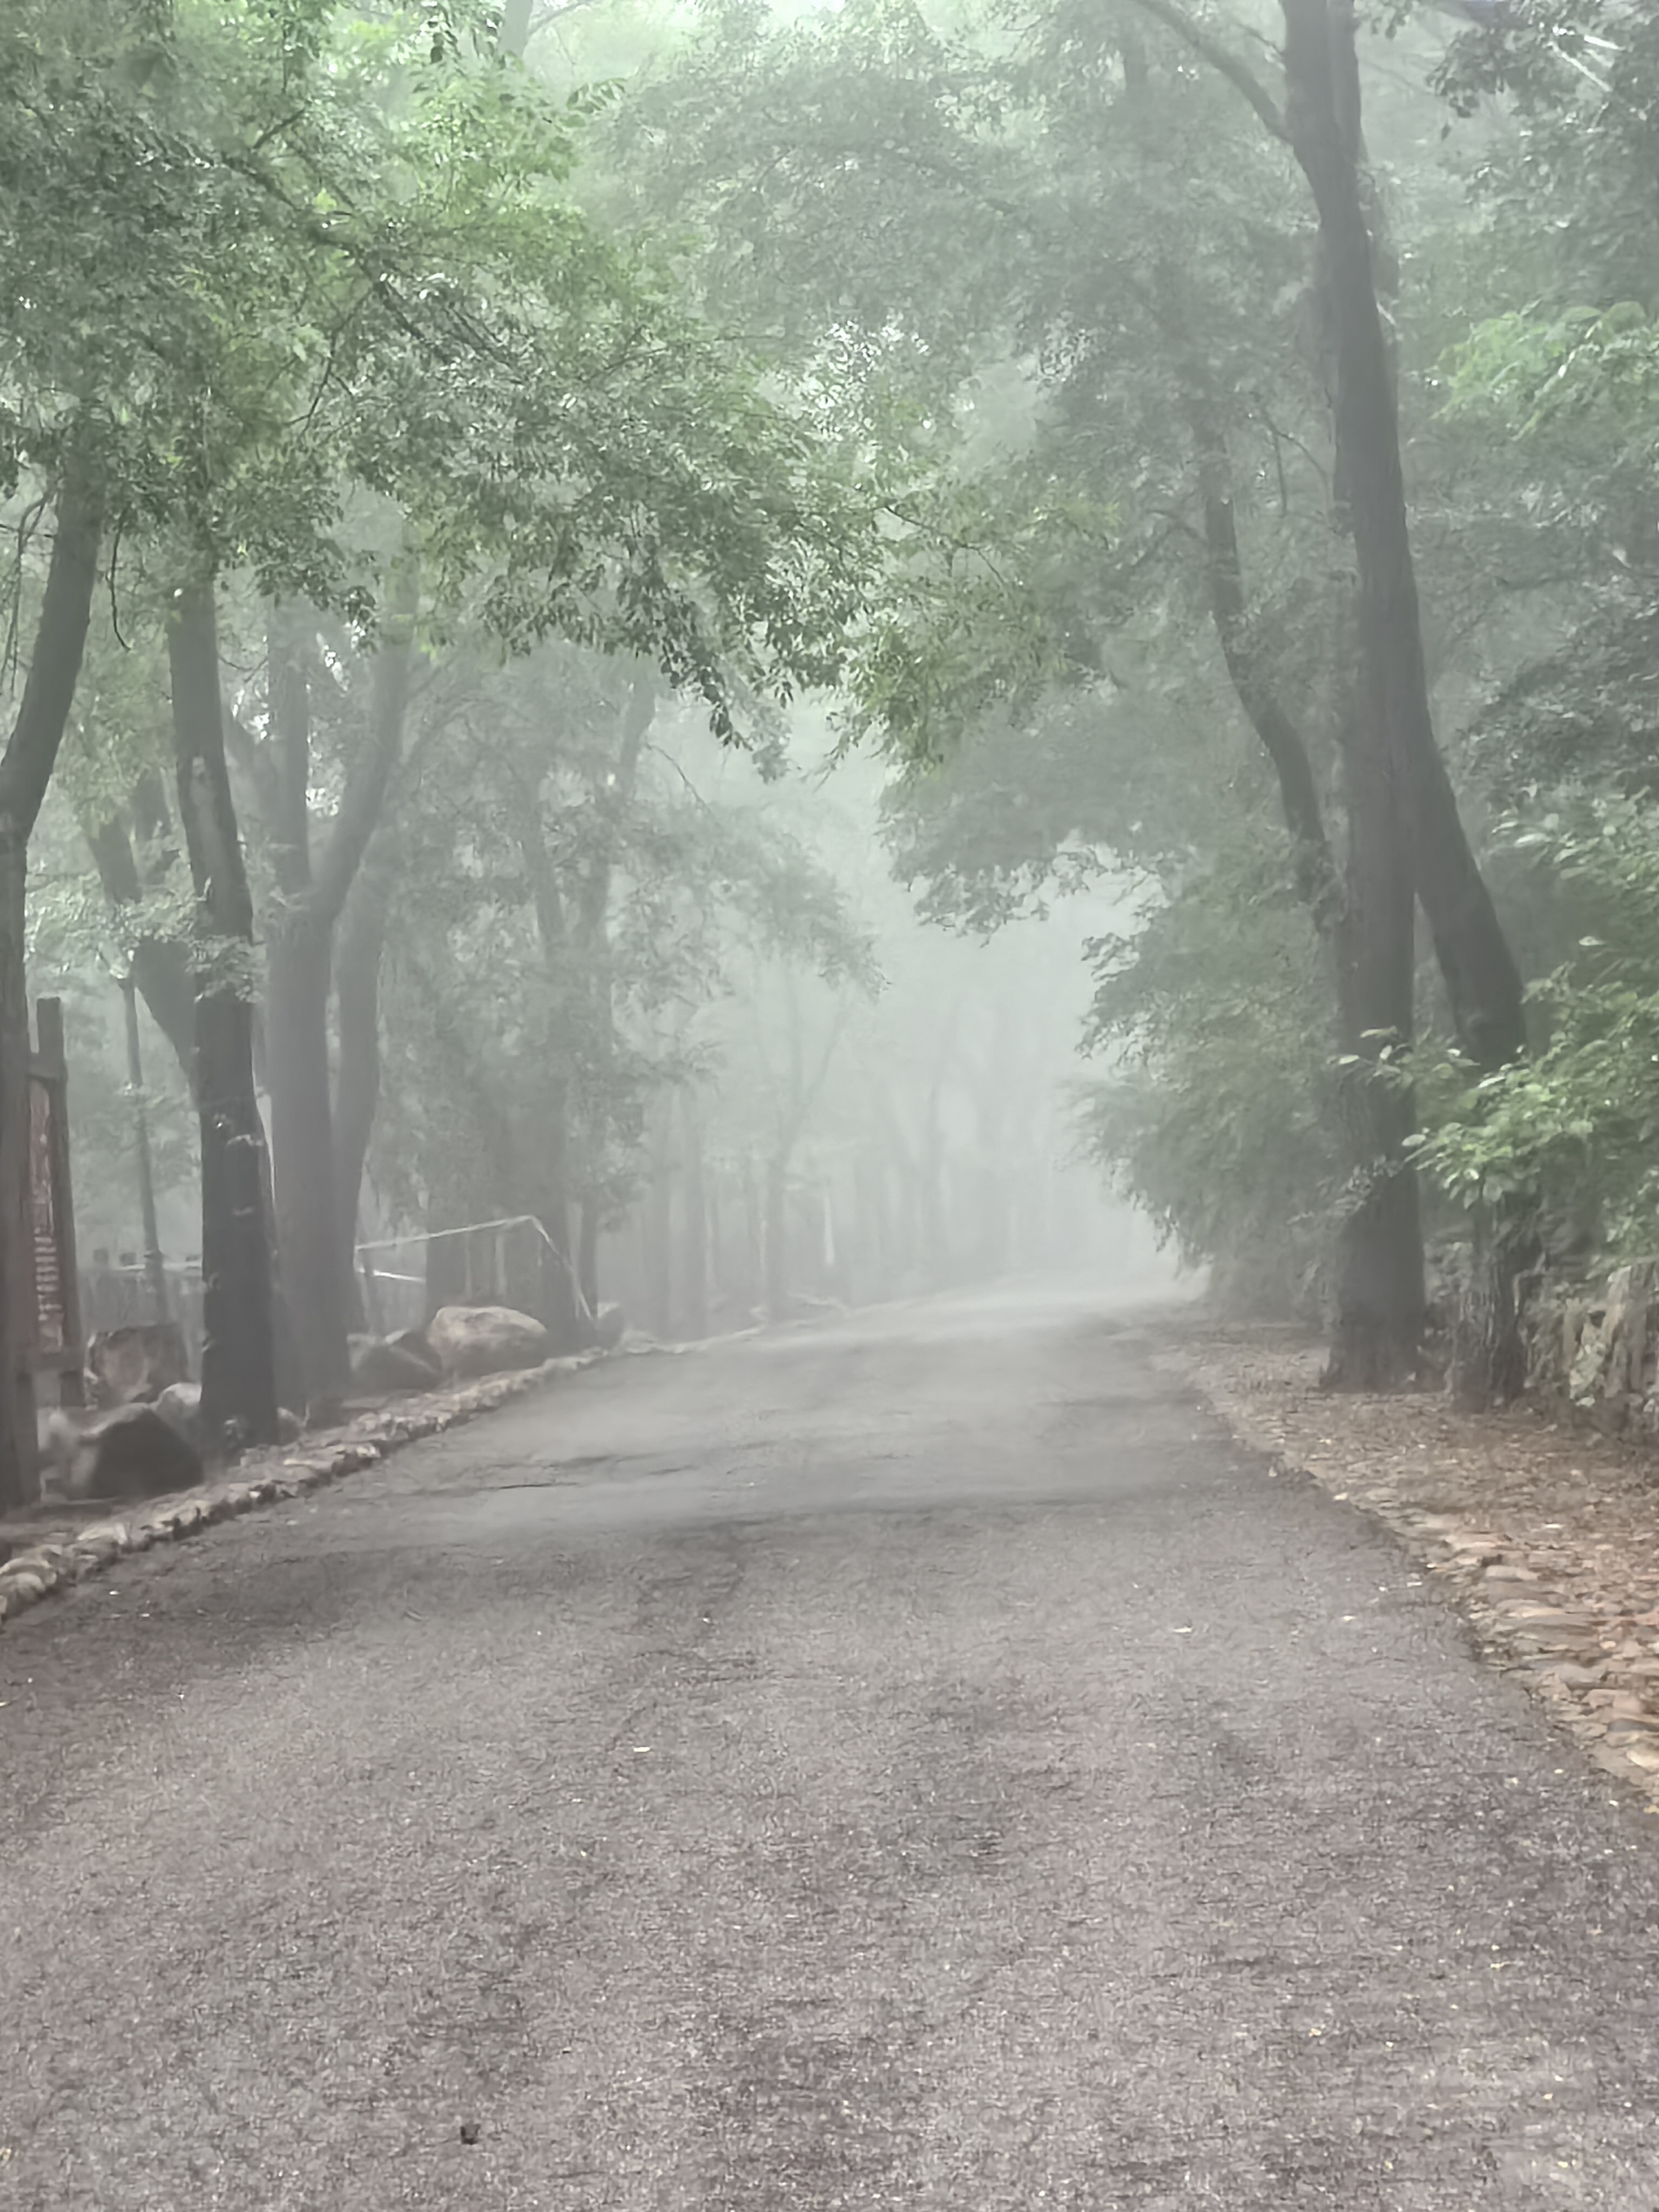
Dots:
{"x": 542, "y": 537}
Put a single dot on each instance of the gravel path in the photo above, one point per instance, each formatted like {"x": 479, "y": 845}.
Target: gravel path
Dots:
{"x": 916, "y": 1762}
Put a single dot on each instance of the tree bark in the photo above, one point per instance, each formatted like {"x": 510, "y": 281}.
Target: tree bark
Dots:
{"x": 560, "y": 1313}
{"x": 239, "y": 1370}
{"x": 26, "y": 768}
{"x": 1483, "y": 983}
{"x": 155, "y": 1267}
{"x": 777, "y": 1236}
{"x": 160, "y": 965}
{"x": 660, "y": 1221}
{"x": 1482, "y": 980}
{"x": 1380, "y": 1301}
{"x": 587, "y": 1253}
{"x": 696, "y": 1220}
{"x": 1363, "y": 920}
{"x": 357, "y": 1013}
{"x": 514, "y": 36}
{"x": 301, "y": 921}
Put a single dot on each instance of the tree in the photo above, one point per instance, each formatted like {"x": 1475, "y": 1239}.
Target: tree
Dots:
{"x": 26, "y": 768}
{"x": 238, "y": 1361}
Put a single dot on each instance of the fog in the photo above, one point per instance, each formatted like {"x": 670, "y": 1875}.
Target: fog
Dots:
{"x": 907, "y": 1097}
{"x": 860, "y": 656}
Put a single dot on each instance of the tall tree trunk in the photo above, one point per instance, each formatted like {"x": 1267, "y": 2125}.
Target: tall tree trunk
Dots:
{"x": 777, "y": 1236}
{"x": 239, "y": 1371}
{"x": 25, "y": 768}
{"x": 514, "y": 34}
{"x": 696, "y": 1220}
{"x": 301, "y": 921}
{"x": 718, "y": 1280}
{"x": 587, "y": 1253}
{"x": 1483, "y": 983}
{"x": 561, "y": 1314}
{"x": 659, "y": 1223}
{"x": 754, "y": 1238}
{"x": 1363, "y": 920}
{"x": 160, "y": 966}
{"x": 1377, "y": 1341}
{"x": 308, "y": 1212}
{"x": 155, "y": 1267}
{"x": 357, "y": 1012}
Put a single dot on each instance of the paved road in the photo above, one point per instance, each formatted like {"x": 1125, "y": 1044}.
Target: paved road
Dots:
{"x": 913, "y": 1763}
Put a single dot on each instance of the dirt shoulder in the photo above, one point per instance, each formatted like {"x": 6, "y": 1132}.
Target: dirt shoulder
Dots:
{"x": 1548, "y": 1536}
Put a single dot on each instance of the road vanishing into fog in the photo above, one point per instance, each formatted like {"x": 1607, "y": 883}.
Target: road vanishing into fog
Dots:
{"x": 913, "y": 1761}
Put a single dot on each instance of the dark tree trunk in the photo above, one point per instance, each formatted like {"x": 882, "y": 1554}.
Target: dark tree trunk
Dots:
{"x": 777, "y": 1236}
{"x": 1363, "y": 919}
{"x": 300, "y": 927}
{"x": 754, "y": 1236}
{"x": 446, "y": 1271}
{"x": 561, "y": 1311}
{"x": 26, "y": 768}
{"x": 308, "y": 1212}
{"x": 560, "y": 1315}
{"x": 587, "y": 1253}
{"x": 659, "y": 1219}
{"x": 697, "y": 1221}
{"x": 154, "y": 1268}
{"x": 357, "y": 1010}
{"x": 1377, "y": 1341}
{"x": 719, "y": 1281}
{"x": 161, "y": 968}
{"x": 160, "y": 965}
{"x": 1482, "y": 980}
{"x": 239, "y": 1373}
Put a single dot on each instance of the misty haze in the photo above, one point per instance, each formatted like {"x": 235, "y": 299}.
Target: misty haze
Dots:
{"x": 828, "y": 1174}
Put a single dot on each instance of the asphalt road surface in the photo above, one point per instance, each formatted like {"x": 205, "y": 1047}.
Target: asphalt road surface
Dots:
{"x": 913, "y": 1762}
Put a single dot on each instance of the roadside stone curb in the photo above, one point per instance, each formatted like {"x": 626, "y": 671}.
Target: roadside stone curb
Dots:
{"x": 57, "y": 1562}
{"x": 1593, "y": 1666}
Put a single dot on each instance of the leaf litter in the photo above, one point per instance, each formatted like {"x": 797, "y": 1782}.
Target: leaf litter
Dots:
{"x": 1544, "y": 1531}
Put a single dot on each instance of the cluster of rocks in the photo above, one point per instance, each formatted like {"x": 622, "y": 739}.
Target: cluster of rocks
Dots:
{"x": 141, "y": 1435}
{"x": 1593, "y": 1350}
{"x": 1597, "y": 1669}
{"x": 57, "y": 1559}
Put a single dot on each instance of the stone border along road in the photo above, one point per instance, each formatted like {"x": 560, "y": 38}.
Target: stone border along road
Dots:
{"x": 1583, "y": 1661}
{"x": 58, "y": 1561}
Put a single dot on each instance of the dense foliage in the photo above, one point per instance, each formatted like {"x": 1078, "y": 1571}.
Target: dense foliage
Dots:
{"x": 517, "y": 412}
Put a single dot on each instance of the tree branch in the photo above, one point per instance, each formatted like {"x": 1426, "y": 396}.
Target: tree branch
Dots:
{"x": 366, "y": 787}
{"x": 1282, "y": 742}
{"x": 60, "y": 640}
{"x": 1238, "y": 72}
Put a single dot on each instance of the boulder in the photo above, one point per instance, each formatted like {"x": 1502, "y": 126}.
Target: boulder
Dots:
{"x": 181, "y": 1403}
{"x": 471, "y": 1340}
{"x": 133, "y": 1366}
{"x": 390, "y": 1364}
{"x": 132, "y": 1453}
{"x": 418, "y": 1345}
{"x": 609, "y": 1327}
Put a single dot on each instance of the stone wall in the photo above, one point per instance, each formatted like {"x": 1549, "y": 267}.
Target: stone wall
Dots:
{"x": 1593, "y": 1349}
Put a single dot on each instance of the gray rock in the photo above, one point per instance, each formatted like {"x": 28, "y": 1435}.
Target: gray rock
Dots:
{"x": 472, "y": 1340}
{"x": 132, "y": 1453}
{"x": 416, "y": 1342}
{"x": 133, "y": 1366}
{"x": 180, "y": 1404}
{"x": 385, "y": 1364}
{"x": 609, "y": 1327}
